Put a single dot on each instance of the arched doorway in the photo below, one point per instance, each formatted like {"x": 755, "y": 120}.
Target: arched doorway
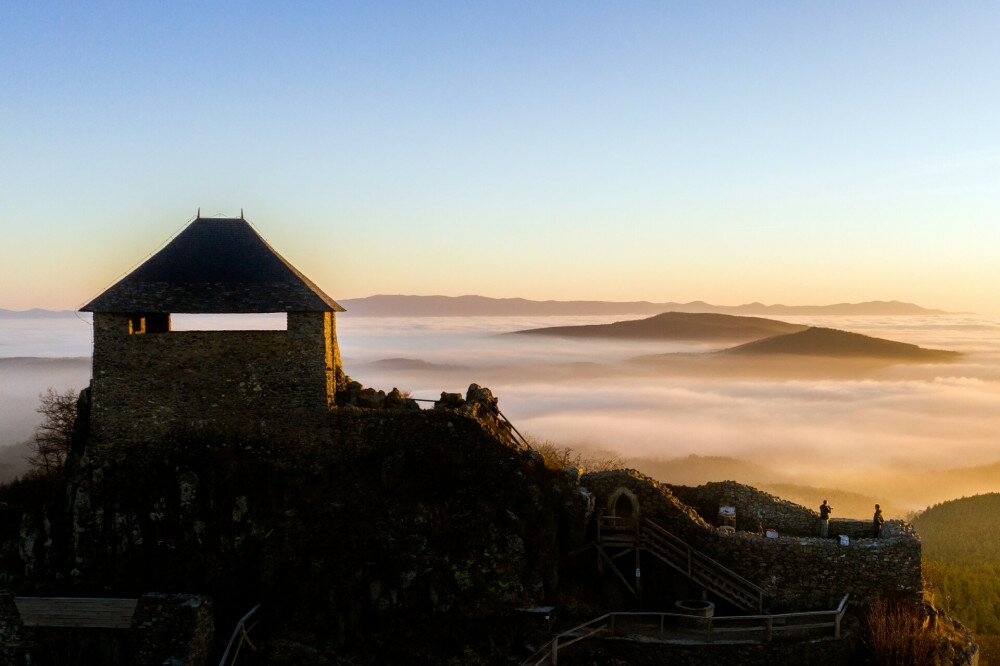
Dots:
{"x": 623, "y": 507}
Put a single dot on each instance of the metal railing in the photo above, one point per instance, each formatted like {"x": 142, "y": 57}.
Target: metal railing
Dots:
{"x": 766, "y": 625}
{"x": 239, "y": 632}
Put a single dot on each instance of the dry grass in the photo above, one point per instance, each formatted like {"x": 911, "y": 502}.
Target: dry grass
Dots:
{"x": 561, "y": 457}
{"x": 897, "y": 633}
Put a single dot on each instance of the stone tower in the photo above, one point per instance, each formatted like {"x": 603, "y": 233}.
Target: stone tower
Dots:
{"x": 149, "y": 380}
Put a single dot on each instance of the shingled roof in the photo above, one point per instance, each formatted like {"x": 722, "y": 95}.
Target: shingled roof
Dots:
{"x": 215, "y": 265}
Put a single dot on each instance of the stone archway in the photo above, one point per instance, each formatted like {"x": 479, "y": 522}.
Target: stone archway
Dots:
{"x": 622, "y": 503}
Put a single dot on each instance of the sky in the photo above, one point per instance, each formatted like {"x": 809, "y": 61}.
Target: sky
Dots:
{"x": 730, "y": 152}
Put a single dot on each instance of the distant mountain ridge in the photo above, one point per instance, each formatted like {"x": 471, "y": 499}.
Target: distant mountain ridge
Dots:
{"x": 676, "y": 326}
{"x": 38, "y": 313}
{"x": 386, "y": 305}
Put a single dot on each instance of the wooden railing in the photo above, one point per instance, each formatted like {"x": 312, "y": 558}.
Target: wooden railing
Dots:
{"x": 550, "y": 651}
{"x": 614, "y": 523}
{"x": 701, "y": 568}
{"x": 514, "y": 432}
{"x": 515, "y": 435}
{"x": 622, "y": 531}
{"x": 709, "y": 628}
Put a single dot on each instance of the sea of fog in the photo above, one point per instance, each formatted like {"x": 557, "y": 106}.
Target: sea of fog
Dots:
{"x": 822, "y": 430}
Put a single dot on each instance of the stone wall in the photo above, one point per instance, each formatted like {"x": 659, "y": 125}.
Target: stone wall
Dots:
{"x": 408, "y": 536}
{"x": 172, "y": 629}
{"x": 809, "y": 573}
{"x": 796, "y": 573}
{"x": 274, "y": 383}
{"x": 656, "y": 501}
{"x": 757, "y": 511}
{"x": 11, "y": 632}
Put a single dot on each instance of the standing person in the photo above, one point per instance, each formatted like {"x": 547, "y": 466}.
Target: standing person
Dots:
{"x": 824, "y": 519}
{"x": 877, "y": 522}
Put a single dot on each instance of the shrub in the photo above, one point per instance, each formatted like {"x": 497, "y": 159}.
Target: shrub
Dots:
{"x": 560, "y": 457}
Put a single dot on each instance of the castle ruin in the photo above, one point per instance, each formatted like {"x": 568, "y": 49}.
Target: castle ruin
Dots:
{"x": 149, "y": 379}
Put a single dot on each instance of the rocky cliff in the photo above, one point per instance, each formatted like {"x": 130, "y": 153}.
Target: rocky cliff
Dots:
{"x": 406, "y": 536}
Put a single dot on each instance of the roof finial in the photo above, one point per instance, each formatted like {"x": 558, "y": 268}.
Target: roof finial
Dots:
{"x": 241, "y": 215}
{"x": 199, "y": 213}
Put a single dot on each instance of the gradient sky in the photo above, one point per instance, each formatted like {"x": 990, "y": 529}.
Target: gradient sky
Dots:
{"x": 782, "y": 152}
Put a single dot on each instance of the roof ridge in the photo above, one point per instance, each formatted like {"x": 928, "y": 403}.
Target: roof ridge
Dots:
{"x": 214, "y": 265}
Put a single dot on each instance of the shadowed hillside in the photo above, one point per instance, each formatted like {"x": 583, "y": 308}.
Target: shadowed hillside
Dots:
{"x": 676, "y": 326}
{"x": 961, "y": 541}
{"x": 815, "y": 341}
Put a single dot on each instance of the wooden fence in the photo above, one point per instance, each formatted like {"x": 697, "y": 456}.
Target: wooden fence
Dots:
{"x": 709, "y": 628}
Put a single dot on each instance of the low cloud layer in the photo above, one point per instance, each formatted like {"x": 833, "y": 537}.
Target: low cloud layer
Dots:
{"x": 908, "y": 417}
{"x": 822, "y": 430}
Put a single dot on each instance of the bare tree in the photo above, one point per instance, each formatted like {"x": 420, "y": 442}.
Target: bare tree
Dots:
{"x": 54, "y": 436}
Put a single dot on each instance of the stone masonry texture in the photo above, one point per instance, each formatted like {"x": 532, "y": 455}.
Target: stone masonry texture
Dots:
{"x": 271, "y": 383}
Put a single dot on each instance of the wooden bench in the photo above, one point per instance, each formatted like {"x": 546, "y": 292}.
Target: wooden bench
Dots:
{"x": 95, "y": 613}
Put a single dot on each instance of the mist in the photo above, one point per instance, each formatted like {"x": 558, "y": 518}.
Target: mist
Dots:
{"x": 860, "y": 426}
{"x": 869, "y": 428}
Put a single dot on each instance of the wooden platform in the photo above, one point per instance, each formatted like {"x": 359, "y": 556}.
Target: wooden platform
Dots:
{"x": 83, "y": 612}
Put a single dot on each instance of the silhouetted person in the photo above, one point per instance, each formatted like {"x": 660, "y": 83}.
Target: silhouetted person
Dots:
{"x": 824, "y": 518}
{"x": 877, "y": 522}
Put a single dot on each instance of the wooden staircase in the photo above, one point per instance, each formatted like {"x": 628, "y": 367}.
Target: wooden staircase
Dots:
{"x": 644, "y": 535}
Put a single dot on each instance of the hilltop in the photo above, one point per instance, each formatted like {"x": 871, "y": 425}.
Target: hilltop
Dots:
{"x": 694, "y": 470}
{"x": 961, "y": 542}
{"x": 830, "y": 342}
{"x": 676, "y": 326}
{"x": 962, "y": 530}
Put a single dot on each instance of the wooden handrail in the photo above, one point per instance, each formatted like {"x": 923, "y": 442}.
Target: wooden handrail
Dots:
{"x": 698, "y": 560}
{"x": 515, "y": 433}
{"x": 697, "y": 553}
{"x": 766, "y": 624}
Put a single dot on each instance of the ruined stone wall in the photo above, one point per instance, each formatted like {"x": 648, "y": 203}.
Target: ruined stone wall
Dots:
{"x": 796, "y": 573}
{"x": 166, "y": 629}
{"x": 809, "y": 573}
{"x": 757, "y": 511}
{"x": 656, "y": 502}
{"x": 410, "y": 534}
{"x": 273, "y": 383}
{"x": 12, "y": 647}
{"x": 172, "y": 629}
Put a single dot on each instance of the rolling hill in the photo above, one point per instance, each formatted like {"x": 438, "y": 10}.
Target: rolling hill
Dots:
{"x": 676, "y": 326}
{"x": 961, "y": 546}
{"x": 829, "y": 342}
